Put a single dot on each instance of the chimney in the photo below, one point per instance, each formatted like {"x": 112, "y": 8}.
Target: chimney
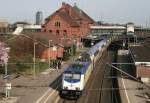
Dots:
{"x": 63, "y": 4}
{"x": 65, "y": 7}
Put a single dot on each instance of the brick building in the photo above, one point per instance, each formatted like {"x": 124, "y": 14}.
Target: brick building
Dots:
{"x": 68, "y": 21}
{"x": 47, "y": 45}
{"x": 141, "y": 58}
{"x": 53, "y": 45}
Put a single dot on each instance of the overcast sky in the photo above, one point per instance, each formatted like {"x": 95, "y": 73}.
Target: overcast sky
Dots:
{"x": 112, "y": 11}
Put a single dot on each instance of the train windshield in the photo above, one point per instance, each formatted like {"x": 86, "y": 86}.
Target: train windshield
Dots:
{"x": 72, "y": 76}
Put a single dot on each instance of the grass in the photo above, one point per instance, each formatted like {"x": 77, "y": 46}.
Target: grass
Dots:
{"x": 39, "y": 67}
{"x": 24, "y": 69}
{"x": 42, "y": 67}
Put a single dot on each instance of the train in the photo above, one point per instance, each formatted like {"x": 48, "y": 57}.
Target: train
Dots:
{"x": 76, "y": 75}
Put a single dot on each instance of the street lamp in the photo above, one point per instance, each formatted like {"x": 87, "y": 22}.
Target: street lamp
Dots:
{"x": 35, "y": 43}
{"x": 6, "y": 90}
{"x": 49, "y": 56}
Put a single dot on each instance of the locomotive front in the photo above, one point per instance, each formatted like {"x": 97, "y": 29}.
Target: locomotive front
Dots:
{"x": 72, "y": 82}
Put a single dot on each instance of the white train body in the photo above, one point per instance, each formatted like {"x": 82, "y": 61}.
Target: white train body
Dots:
{"x": 77, "y": 74}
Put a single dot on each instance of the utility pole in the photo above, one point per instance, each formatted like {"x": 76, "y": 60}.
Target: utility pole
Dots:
{"x": 34, "y": 72}
{"x": 49, "y": 56}
{"x": 6, "y": 90}
{"x": 5, "y": 60}
{"x": 72, "y": 49}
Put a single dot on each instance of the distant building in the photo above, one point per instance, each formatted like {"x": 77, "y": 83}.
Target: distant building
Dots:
{"x": 19, "y": 24}
{"x": 103, "y": 30}
{"x": 112, "y": 29}
{"x": 142, "y": 32}
{"x": 141, "y": 59}
{"x": 4, "y": 27}
{"x": 24, "y": 27}
{"x": 31, "y": 28}
{"x": 68, "y": 21}
{"x": 48, "y": 45}
{"x": 39, "y": 18}
{"x": 130, "y": 28}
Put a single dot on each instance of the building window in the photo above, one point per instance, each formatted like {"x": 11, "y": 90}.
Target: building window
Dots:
{"x": 44, "y": 30}
{"x": 57, "y": 24}
{"x": 65, "y": 33}
{"x": 50, "y": 31}
{"x": 57, "y": 32}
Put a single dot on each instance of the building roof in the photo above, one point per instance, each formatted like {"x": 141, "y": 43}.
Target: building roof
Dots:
{"x": 4, "y": 24}
{"x": 140, "y": 54}
{"x": 44, "y": 37}
{"x": 70, "y": 14}
{"x": 32, "y": 27}
{"x": 68, "y": 19}
{"x": 21, "y": 22}
{"x": 107, "y": 27}
{"x": 82, "y": 14}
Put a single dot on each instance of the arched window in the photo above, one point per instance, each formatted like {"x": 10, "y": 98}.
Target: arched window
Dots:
{"x": 57, "y": 24}
{"x": 65, "y": 33}
{"x": 44, "y": 30}
{"x": 57, "y": 32}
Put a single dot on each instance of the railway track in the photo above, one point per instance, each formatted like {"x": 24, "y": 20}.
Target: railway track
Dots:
{"x": 67, "y": 101}
{"x": 101, "y": 86}
{"x": 98, "y": 81}
{"x": 92, "y": 93}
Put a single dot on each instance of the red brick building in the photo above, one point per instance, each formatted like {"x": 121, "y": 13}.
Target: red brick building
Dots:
{"x": 47, "y": 45}
{"x": 141, "y": 59}
{"x": 53, "y": 53}
{"x": 68, "y": 21}
{"x": 55, "y": 42}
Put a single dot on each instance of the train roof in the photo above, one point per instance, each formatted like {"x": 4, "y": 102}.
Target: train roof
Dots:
{"x": 77, "y": 67}
{"x": 96, "y": 47}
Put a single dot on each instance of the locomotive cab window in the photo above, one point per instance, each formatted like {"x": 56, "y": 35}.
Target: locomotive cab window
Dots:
{"x": 76, "y": 76}
{"x": 72, "y": 76}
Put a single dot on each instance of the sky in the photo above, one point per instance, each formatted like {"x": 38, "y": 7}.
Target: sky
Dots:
{"x": 111, "y": 11}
